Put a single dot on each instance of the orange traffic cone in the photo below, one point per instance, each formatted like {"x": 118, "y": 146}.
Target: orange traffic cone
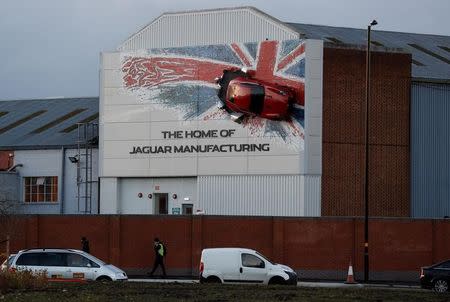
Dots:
{"x": 350, "y": 279}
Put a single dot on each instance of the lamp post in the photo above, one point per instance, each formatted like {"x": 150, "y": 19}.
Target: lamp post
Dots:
{"x": 366, "y": 177}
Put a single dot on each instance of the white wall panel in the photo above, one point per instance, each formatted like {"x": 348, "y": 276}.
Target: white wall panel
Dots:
{"x": 209, "y": 27}
{"x": 280, "y": 195}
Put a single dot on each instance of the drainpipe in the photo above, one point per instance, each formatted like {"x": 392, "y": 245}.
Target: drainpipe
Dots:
{"x": 63, "y": 168}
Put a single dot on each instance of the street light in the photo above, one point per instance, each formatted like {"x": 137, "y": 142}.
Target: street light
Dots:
{"x": 366, "y": 178}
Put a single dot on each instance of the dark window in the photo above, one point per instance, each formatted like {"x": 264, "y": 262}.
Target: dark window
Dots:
{"x": 249, "y": 260}
{"x": 53, "y": 259}
{"x": 445, "y": 264}
{"x": 256, "y": 97}
{"x": 29, "y": 259}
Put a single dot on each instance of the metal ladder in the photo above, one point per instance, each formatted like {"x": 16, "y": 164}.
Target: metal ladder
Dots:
{"x": 87, "y": 140}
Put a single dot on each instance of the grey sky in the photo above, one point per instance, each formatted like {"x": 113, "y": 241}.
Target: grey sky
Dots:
{"x": 51, "y": 47}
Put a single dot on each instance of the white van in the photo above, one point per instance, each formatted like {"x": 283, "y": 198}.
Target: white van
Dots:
{"x": 66, "y": 265}
{"x": 241, "y": 265}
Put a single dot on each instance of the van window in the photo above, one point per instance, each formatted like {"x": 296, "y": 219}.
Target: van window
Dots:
{"x": 29, "y": 259}
{"x": 53, "y": 259}
{"x": 250, "y": 260}
{"x": 77, "y": 260}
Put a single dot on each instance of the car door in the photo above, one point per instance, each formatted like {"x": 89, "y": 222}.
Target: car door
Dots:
{"x": 253, "y": 269}
{"x": 54, "y": 263}
{"x": 80, "y": 267}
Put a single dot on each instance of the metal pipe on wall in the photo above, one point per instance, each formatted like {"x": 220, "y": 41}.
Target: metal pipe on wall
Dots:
{"x": 62, "y": 182}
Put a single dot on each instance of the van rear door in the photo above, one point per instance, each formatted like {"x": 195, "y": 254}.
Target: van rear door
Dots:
{"x": 227, "y": 263}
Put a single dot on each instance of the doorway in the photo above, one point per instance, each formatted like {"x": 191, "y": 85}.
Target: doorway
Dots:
{"x": 161, "y": 204}
{"x": 187, "y": 208}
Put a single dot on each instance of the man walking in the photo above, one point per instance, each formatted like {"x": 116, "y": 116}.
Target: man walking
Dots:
{"x": 160, "y": 253}
{"x": 85, "y": 245}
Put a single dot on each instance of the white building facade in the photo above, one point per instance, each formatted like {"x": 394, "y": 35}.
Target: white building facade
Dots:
{"x": 167, "y": 148}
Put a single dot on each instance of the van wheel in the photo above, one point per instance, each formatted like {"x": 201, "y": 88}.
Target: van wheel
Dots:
{"x": 277, "y": 280}
{"x": 213, "y": 279}
{"x": 104, "y": 279}
{"x": 440, "y": 286}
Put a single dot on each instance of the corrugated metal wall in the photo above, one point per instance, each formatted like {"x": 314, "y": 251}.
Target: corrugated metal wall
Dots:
{"x": 274, "y": 195}
{"x": 430, "y": 150}
{"x": 208, "y": 27}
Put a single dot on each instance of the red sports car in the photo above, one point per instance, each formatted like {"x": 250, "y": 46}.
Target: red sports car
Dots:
{"x": 241, "y": 94}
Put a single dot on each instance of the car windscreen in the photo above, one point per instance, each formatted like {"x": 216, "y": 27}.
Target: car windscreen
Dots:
{"x": 265, "y": 258}
{"x": 10, "y": 259}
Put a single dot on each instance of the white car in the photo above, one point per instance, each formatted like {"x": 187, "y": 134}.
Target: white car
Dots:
{"x": 66, "y": 265}
{"x": 7, "y": 262}
{"x": 241, "y": 265}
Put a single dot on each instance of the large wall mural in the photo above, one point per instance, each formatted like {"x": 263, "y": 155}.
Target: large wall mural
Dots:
{"x": 260, "y": 86}
{"x": 232, "y": 109}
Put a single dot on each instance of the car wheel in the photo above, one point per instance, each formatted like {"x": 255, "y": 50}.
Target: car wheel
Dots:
{"x": 213, "y": 279}
{"x": 104, "y": 279}
{"x": 276, "y": 281}
{"x": 440, "y": 286}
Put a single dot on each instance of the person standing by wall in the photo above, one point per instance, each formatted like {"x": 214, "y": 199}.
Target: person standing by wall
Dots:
{"x": 160, "y": 253}
{"x": 85, "y": 245}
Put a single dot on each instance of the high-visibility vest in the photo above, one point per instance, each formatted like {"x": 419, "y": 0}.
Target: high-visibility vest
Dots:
{"x": 161, "y": 250}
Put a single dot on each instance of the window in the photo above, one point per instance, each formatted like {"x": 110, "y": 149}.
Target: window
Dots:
{"x": 53, "y": 259}
{"x": 444, "y": 265}
{"x": 28, "y": 259}
{"x": 41, "y": 189}
{"x": 249, "y": 260}
{"x": 76, "y": 260}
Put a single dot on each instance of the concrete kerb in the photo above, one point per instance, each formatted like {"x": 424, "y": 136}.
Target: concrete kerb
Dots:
{"x": 299, "y": 284}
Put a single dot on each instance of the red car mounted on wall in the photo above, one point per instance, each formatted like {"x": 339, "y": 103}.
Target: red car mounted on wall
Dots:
{"x": 241, "y": 95}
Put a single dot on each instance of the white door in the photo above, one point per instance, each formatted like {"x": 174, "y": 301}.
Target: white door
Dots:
{"x": 253, "y": 269}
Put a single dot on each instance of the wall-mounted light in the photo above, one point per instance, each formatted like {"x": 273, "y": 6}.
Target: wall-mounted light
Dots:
{"x": 186, "y": 199}
{"x": 150, "y": 196}
{"x": 73, "y": 159}
{"x": 140, "y": 195}
{"x": 174, "y": 196}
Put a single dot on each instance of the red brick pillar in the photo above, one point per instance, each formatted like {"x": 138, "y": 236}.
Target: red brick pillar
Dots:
{"x": 114, "y": 240}
{"x": 32, "y": 232}
{"x": 196, "y": 243}
{"x": 278, "y": 240}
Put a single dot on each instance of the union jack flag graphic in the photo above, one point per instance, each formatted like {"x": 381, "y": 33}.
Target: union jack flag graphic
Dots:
{"x": 184, "y": 80}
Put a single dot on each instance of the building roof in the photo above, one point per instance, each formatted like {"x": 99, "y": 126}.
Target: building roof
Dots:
{"x": 430, "y": 53}
{"x": 44, "y": 123}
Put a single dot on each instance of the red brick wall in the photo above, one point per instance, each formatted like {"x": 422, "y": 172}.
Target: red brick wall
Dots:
{"x": 316, "y": 244}
{"x": 344, "y": 133}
